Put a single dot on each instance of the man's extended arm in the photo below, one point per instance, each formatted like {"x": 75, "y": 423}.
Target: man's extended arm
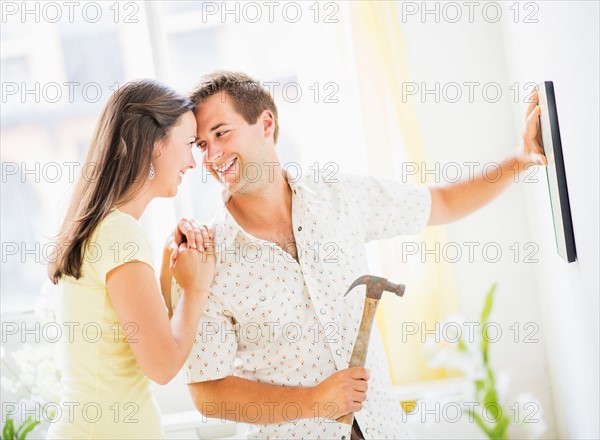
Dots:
{"x": 454, "y": 201}
{"x": 232, "y": 397}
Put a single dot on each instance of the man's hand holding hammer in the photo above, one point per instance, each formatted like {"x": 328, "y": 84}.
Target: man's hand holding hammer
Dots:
{"x": 342, "y": 393}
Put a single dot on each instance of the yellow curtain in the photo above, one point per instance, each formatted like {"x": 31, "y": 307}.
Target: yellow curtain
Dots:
{"x": 382, "y": 67}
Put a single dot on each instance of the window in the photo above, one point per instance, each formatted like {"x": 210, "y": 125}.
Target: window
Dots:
{"x": 57, "y": 77}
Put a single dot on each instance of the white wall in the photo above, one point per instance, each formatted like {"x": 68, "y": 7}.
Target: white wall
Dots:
{"x": 560, "y": 299}
{"x": 563, "y": 47}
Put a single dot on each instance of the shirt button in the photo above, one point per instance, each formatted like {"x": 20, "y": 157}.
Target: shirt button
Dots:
{"x": 299, "y": 228}
{"x": 367, "y": 431}
{"x": 323, "y": 311}
{"x": 338, "y": 352}
{"x": 294, "y": 191}
{"x": 262, "y": 297}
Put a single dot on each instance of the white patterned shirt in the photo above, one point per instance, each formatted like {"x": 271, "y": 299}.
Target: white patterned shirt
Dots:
{"x": 274, "y": 320}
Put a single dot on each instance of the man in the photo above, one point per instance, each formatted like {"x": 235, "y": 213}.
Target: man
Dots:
{"x": 275, "y": 339}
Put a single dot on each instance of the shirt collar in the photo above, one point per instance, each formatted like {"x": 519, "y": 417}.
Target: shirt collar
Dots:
{"x": 227, "y": 229}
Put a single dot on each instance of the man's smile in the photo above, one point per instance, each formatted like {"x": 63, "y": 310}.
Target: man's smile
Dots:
{"x": 224, "y": 167}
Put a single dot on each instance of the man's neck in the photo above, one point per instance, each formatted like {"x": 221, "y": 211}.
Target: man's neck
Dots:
{"x": 271, "y": 206}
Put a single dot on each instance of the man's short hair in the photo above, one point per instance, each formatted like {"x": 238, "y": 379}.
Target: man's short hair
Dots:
{"x": 249, "y": 98}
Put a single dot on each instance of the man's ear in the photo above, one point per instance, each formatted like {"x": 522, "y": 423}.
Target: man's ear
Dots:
{"x": 268, "y": 123}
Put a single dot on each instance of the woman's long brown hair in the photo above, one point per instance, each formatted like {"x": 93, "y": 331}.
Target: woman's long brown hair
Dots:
{"x": 117, "y": 165}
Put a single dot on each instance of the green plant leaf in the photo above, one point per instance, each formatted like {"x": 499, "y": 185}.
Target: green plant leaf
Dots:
{"x": 484, "y": 427}
{"x": 487, "y": 308}
{"x": 27, "y": 426}
{"x": 485, "y": 314}
{"x": 8, "y": 430}
{"x": 490, "y": 403}
{"x": 501, "y": 428}
{"x": 490, "y": 376}
{"x": 484, "y": 346}
{"x": 23, "y": 425}
{"x": 479, "y": 385}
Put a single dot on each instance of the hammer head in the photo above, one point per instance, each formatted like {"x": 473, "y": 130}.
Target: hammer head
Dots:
{"x": 376, "y": 286}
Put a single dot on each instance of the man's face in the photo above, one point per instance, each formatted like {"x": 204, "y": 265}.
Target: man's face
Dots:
{"x": 234, "y": 151}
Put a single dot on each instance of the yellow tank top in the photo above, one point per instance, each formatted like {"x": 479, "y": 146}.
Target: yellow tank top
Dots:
{"x": 104, "y": 392}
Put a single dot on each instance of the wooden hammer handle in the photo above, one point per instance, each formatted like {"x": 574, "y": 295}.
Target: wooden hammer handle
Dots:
{"x": 359, "y": 353}
{"x": 348, "y": 419}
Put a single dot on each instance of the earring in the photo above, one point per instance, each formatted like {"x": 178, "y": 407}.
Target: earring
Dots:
{"x": 151, "y": 174}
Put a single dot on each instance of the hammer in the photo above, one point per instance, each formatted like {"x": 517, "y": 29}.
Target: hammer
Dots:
{"x": 375, "y": 287}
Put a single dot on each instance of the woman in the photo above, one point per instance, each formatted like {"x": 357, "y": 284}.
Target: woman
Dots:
{"x": 117, "y": 331}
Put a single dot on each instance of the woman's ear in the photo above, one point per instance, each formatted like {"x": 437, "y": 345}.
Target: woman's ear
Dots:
{"x": 158, "y": 147}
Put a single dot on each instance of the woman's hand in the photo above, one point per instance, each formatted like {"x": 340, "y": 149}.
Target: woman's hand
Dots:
{"x": 193, "y": 269}
{"x": 189, "y": 231}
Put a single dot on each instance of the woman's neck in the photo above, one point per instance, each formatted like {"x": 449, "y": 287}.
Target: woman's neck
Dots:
{"x": 136, "y": 206}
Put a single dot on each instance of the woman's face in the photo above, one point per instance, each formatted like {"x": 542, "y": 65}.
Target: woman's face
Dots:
{"x": 173, "y": 156}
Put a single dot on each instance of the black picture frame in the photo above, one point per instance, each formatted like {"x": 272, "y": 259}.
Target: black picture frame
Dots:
{"x": 555, "y": 172}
